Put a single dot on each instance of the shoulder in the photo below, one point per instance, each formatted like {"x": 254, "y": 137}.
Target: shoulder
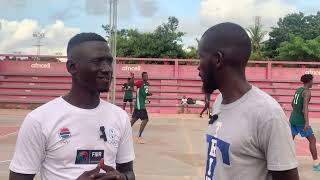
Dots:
{"x": 265, "y": 106}
{"x": 44, "y": 111}
{"x": 218, "y": 99}
{"x": 306, "y": 91}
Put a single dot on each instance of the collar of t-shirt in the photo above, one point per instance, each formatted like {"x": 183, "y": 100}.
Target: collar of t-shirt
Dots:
{"x": 76, "y": 109}
{"x": 239, "y": 101}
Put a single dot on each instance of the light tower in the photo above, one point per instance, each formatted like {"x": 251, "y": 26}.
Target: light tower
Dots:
{"x": 38, "y": 36}
{"x": 113, "y": 17}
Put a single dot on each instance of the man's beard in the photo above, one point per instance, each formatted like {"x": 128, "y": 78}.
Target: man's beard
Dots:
{"x": 209, "y": 86}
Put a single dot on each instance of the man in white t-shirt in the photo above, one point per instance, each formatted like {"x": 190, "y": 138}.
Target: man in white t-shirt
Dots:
{"x": 248, "y": 136}
{"x": 69, "y": 137}
{"x": 184, "y": 104}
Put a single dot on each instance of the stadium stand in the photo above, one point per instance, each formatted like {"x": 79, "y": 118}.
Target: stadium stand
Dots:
{"x": 22, "y": 86}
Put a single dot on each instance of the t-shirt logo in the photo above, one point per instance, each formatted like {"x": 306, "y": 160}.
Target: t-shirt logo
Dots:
{"x": 82, "y": 157}
{"x": 64, "y": 133}
{"x": 113, "y": 137}
{"x": 215, "y": 143}
{"x": 89, "y": 156}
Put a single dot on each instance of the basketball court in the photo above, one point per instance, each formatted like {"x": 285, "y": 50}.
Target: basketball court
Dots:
{"x": 175, "y": 148}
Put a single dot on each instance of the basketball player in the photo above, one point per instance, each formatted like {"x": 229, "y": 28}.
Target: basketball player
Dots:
{"x": 206, "y": 107}
{"x": 299, "y": 118}
{"x": 128, "y": 89}
{"x": 140, "y": 111}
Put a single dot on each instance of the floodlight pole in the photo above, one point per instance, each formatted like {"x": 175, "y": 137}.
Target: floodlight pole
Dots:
{"x": 113, "y": 43}
{"x": 38, "y": 36}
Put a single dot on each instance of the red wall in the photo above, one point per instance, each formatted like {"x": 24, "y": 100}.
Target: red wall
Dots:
{"x": 185, "y": 71}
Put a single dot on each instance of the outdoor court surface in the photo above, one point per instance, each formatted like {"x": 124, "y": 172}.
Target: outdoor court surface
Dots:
{"x": 175, "y": 148}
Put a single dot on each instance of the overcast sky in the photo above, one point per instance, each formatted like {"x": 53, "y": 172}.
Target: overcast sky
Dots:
{"x": 61, "y": 19}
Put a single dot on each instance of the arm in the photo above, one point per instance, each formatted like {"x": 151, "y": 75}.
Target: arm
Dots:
{"x": 132, "y": 79}
{"x": 148, "y": 93}
{"x": 306, "y": 97}
{"x": 125, "y": 154}
{"x": 17, "y": 176}
{"x": 29, "y": 151}
{"x": 287, "y": 175}
{"x": 275, "y": 141}
{"x": 127, "y": 170}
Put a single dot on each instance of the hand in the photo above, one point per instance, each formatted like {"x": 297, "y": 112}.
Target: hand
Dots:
{"x": 306, "y": 127}
{"x": 111, "y": 173}
{"x": 87, "y": 175}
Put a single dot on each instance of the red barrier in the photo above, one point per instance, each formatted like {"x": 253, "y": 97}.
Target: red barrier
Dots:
{"x": 172, "y": 71}
{"x": 156, "y": 70}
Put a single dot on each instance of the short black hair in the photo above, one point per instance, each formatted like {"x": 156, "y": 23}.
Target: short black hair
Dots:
{"x": 129, "y": 78}
{"x": 231, "y": 39}
{"x": 143, "y": 73}
{"x": 306, "y": 78}
{"x": 83, "y": 37}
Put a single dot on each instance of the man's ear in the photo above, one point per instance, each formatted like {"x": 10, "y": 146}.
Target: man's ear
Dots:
{"x": 219, "y": 57}
{"x": 71, "y": 67}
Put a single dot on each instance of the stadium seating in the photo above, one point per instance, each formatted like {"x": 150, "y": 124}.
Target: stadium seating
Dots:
{"x": 30, "y": 90}
{"x": 26, "y": 89}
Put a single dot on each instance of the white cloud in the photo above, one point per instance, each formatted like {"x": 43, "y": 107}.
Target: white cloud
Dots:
{"x": 16, "y": 36}
{"x": 126, "y": 8}
{"x": 242, "y": 12}
{"x": 147, "y": 8}
{"x": 212, "y": 12}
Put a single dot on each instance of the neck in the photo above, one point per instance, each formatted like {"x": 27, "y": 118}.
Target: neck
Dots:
{"x": 305, "y": 87}
{"x": 235, "y": 88}
{"x": 82, "y": 98}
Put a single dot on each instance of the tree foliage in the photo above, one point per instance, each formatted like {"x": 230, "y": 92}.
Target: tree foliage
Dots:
{"x": 164, "y": 42}
{"x": 297, "y": 24}
{"x": 296, "y": 38}
{"x": 257, "y": 35}
{"x": 298, "y": 49}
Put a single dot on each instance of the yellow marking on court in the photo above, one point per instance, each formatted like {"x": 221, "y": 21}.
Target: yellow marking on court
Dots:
{"x": 189, "y": 144}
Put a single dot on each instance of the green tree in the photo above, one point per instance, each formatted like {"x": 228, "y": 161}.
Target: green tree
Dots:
{"x": 256, "y": 34}
{"x": 298, "y": 49}
{"x": 191, "y": 52}
{"x": 297, "y": 24}
{"x": 164, "y": 42}
{"x": 168, "y": 40}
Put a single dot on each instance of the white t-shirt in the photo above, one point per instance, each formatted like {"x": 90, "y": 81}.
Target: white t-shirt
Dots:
{"x": 184, "y": 101}
{"x": 61, "y": 140}
{"x": 250, "y": 137}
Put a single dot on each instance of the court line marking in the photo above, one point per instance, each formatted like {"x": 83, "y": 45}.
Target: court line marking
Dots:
{"x": 189, "y": 144}
{"x": 4, "y": 161}
{"x": 6, "y": 135}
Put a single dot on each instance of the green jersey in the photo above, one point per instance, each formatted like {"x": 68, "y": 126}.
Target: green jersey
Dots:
{"x": 142, "y": 94}
{"x": 128, "y": 88}
{"x": 297, "y": 116}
